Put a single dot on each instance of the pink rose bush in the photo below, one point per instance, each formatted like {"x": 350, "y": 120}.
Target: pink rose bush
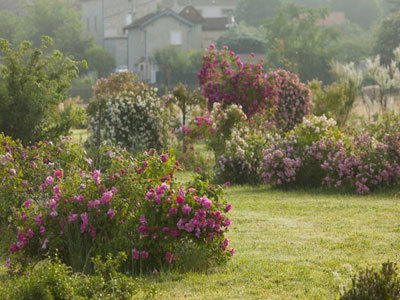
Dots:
{"x": 293, "y": 101}
{"x": 225, "y": 79}
{"x": 316, "y": 153}
{"x": 124, "y": 204}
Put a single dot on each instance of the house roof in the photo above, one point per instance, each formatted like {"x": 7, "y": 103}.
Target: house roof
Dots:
{"x": 192, "y": 14}
{"x": 147, "y": 19}
{"x": 215, "y": 24}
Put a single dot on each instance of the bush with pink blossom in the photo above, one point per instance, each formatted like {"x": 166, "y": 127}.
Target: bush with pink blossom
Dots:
{"x": 293, "y": 99}
{"x": 225, "y": 79}
{"x": 127, "y": 204}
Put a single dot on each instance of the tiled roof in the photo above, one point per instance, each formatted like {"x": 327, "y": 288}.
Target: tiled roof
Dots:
{"x": 192, "y": 14}
{"x": 215, "y": 24}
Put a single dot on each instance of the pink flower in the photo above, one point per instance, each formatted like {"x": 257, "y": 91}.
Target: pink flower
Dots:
{"x": 227, "y": 222}
{"x": 72, "y": 217}
{"x": 145, "y": 164}
{"x": 49, "y": 180}
{"x": 42, "y": 230}
{"x": 38, "y": 220}
{"x": 228, "y": 208}
{"x": 180, "y": 200}
{"x": 232, "y": 251}
{"x": 164, "y": 158}
{"x": 58, "y": 174}
{"x": 206, "y": 203}
{"x": 12, "y": 172}
{"x": 144, "y": 254}
{"x": 143, "y": 230}
{"x": 96, "y": 176}
{"x": 44, "y": 245}
{"x": 24, "y": 217}
{"x": 173, "y": 211}
{"x": 57, "y": 190}
{"x": 225, "y": 244}
{"x": 92, "y": 232}
{"x": 186, "y": 209}
{"x": 105, "y": 199}
{"x": 135, "y": 254}
{"x": 13, "y": 248}
{"x": 143, "y": 220}
{"x": 111, "y": 213}
{"x": 228, "y": 183}
{"x": 169, "y": 257}
{"x": 27, "y": 203}
{"x": 53, "y": 204}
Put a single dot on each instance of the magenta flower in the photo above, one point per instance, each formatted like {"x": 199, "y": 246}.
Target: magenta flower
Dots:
{"x": 49, "y": 180}
{"x": 143, "y": 220}
{"x": 169, "y": 257}
{"x": 227, "y": 222}
{"x": 44, "y": 245}
{"x": 27, "y": 203}
{"x": 164, "y": 158}
{"x": 58, "y": 174}
{"x": 228, "y": 208}
{"x": 186, "y": 209}
{"x": 13, "y": 248}
{"x": 53, "y": 204}
{"x": 12, "y": 172}
{"x": 96, "y": 176}
{"x": 225, "y": 244}
{"x": 173, "y": 211}
{"x": 29, "y": 233}
{"x": 57, "y": 190}
{"x": 206, "y": 203}
{"x": 38, "y": 220}
{"x": 72, "y": 217}
{"x": 106, "y": 197}
{"x": 24, "y": 217}
{"x": 135, "y": 254}
{"x": 180, "y": 200}
{"x": 42, "y": 230}
{"x": 111, "y": 213}
{"x": 144, "y": 254}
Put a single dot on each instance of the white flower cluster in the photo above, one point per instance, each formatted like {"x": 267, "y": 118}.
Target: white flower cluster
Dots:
{"x": 135, "y": 121}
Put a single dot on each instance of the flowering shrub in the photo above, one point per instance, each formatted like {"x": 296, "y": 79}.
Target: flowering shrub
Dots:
{"x": 133, "y": 120}
{"x": 241, "y": 160}
{"x": 118, "y": 84}
{"x": 317, "y": 153}
{"x": 23, "y": 170}
{"x": 296, "y": 158}
{"x": 293, "y": 101}
{"x": 225, "y": 79}
{"x": 129, "y": 205}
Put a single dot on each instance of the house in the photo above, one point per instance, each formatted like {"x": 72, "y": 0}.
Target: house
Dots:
{"x": 105, "y": 21}
{"x": 158, "y": 30}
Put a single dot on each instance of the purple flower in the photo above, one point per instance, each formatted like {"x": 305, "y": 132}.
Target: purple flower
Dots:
{"x": 53, "y": 204}
{"x": 143, "y": 220}
{"x": 173, "y": 211}
{"x": 29, "y": 233}
{"x": 106, "y": 197}
{"x": 12, "y": 172}
{"x": 44, "y": 245}
{"x": 164, "y": 158}
{"x": 58, "y": 174}
{"x": 42, "y": 230}
{"x": 227, "y": 222}
{"x": 96, "y": 176}
{"x": 38, "y": 220}
{"x": 72, "y": 217}
{"x": 13, "y": 248}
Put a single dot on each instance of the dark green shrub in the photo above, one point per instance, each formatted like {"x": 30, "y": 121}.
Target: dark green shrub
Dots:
{"x": 375, "y": 285}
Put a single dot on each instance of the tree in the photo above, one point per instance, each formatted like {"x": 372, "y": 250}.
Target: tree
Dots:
{"x": 253, "y": 12}
{"x": 361, "y": 12}
{"x": 296, "y": 42}
{"x": 243, "y": 39}
{"x": 32, "y": 84}
{"x": 100, "y": 60}
{"x": 9, "y": 25}
{"x": 58, "y": 19}
{"x": 388, "y": 37}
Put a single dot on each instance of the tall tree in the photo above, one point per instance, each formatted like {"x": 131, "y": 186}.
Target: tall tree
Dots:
{"x": 388, "y": 37}
{"x": 253, "y": 12}
{"x": 296, "y": 42}
{"x": 361, "y": 12}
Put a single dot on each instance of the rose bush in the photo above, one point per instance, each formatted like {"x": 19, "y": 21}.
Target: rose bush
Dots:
{"x": 127, "y": 204}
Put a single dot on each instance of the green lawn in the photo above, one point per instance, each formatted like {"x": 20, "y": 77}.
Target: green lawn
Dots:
{"x": 296, "y": 244}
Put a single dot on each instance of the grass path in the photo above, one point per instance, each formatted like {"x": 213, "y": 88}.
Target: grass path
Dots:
{"x": 295, "y": 245}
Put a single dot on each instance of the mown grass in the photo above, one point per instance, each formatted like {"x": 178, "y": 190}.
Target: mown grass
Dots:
{"x": 295, "y": 245}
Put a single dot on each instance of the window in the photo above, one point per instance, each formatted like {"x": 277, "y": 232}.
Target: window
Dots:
{"x": 141, "y": 67}
{"x": 176, "y": 37}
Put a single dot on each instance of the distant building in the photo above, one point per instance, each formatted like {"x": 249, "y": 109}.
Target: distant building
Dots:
{"x": 105, "y": 20}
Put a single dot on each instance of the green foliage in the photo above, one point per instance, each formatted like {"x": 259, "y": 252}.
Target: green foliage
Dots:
{"x": 33, "y": 83}
{"x": 100, "y": 60}
{"x": 371, "y": 284}
{"x": 59, "y": 20}
{"x": 82, "y": 87}
{"x": 253, "y": 12}
{"x": 296, "y": 42}
{"x": 388, "y": 37}
{"x": 242, "y": 39}
{"x": 361, "y": 12}
{"x": 335, "y": 101}
{"x": 9, "y": 25}
{"x": 51, "y": 279}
